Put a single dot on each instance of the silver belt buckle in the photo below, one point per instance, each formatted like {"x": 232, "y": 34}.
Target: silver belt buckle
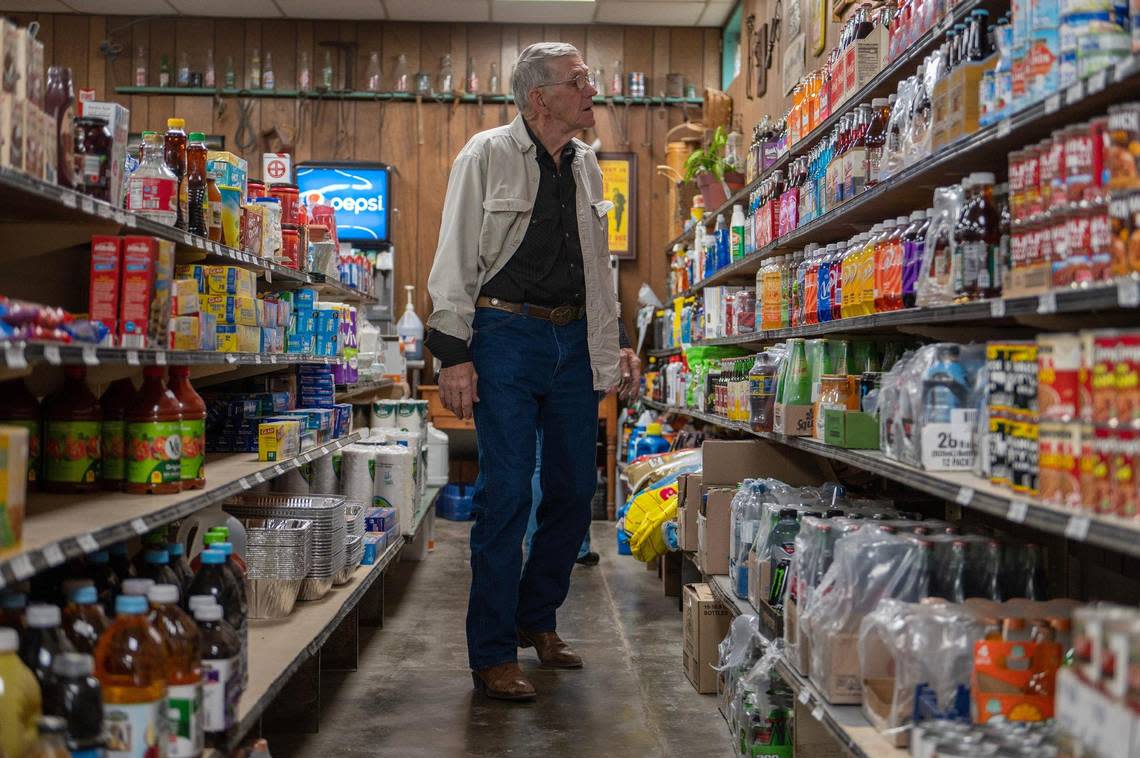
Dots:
{"x": 563, "y": 315}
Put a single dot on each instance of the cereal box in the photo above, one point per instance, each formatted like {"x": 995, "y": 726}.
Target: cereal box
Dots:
{"x": 106, "y": 272}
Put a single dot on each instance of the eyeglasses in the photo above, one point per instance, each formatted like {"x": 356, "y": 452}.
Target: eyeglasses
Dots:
{"x": 580, "y": 81}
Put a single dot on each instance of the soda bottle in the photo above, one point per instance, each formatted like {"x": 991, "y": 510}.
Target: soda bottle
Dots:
{"x": 197, "y": 197}
{"x": 76, "y": 697}
{"x": 868, "y": 272}
{"x": 20, "y": 703}
{"x": 158, "y": 568}
{"x": 107, "y": 582}
{"x": 154, "y": 438}
{"x": 892, "y": 275}
{"x": 152, "y": 189}
{"x": 221, "y": 680}
{"x": 72, "y": 431}
{"x": 43, "y": 640}
{"x": 180, "y": 565}
{"x": 914, "y": 246}
{"x": 130, "y": 664}
{"x": 875, "y": 140}
{"x": 174, "y": 155}
{"x": 979, "y": 240}
{"x": 193, "y": 427}
{"x": 83, "y": 619}
{"x": 114, "y": 402}
{"x": 181, "y": 642}
{"x": 215, "y": 536}
{"x": 811, "y": 287}
{"x": 19, "y": 407}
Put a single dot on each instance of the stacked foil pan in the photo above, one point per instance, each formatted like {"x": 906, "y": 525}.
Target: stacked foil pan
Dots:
{"x": 277, "y": 562}
{"x": 354, "y": 541}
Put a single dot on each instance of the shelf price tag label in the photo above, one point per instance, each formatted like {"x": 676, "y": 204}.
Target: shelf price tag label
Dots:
{"x": 257, "y": 358}
{"x": 817, "y": 713}
{"x": 51, "y": 354}
{"x": 259, "y": 477}
{"x": 87, "y": 543}
{"x": 104, "y": 210}
{"x": 14, "y": 356}
{"x": 160, "y": 358}
{"x": 70, "y": 200}
{"x": 965, "y": 496}
{"x": 86, "y": 204}
{"x": 1053, "y": 103}
{"x": 245, "y": 484}
{"x": 231, "y": 358}
{"x": 90, "y": 358}
{"x": 139, "y": 525}
{"x": 1097, "y": 81}
{"x": 130, "y": 219}
{"x": 269, "y": 275}
{"x": 1127, "y": 293}
{"x": 22, "y": 567}
{"x": 120, "y": 217}
{"x": 1003, "y": 128}
{"x": 1047, "y": 303}
{"x": 997, "y": 308}
{"x": 272, "y": 358}
{"x": 805, "y": 697}
{"x": 1018, "y": 510}
{"x": 278, "y": 470}
{"x": 53, "y": 555}
{"x": 1074, "y": 93}
{"x": 1078, "y": 528}
{"x": 133, "y": 358}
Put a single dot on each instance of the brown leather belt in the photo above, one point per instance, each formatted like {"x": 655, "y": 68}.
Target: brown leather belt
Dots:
{"x": 560, "y": 316}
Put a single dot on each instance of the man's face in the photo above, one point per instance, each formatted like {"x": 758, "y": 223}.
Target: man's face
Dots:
{"x": 566, "y": 103}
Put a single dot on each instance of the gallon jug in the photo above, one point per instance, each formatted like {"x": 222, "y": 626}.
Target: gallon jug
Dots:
{"x": 437, "y": 469}
{"x": 194, "y": 526}
{"x": 411, "y": 330}
{"x": 652, "y": 443}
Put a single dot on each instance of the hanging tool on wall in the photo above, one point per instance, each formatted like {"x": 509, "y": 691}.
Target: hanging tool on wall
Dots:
{"x": 750, "y": 26}
{"x": 621, "y": 125}
{"x": 245, "y": 139}
{"x": 773, "y": 34}
{"x": 758, "y": 57}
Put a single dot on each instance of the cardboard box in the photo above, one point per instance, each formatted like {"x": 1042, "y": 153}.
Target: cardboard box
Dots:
{"x": 185, "y": 333}
{"x": 712, "y": 531}
{"x": 688, "y": 506}
{"x": 793, "y": 420}
{"x": 184, "y": 297}
{"x": 230, "y": 309}
{"x": 862, "y": 61}
{"x": 228, "y": 170}
{"x": 838, "y": 676}
{"x": 34, "y": 138}
{"x": 706, "y": 623}
{"x": 729, "y": 462}
{"x": 230, "y": 280}
{"x": 963, "y": 105}
{"x": 118, "y": 123}
{"x": 811, "y": 737}
{"x": 671, "y": 574}
{"x": 853, "y": 430}
{"x": 106, "y": 275}
{"x": 144, "y": 309}
{"x": 797, "y": 643}
{"x": 32, "y": 52}
{"x": 12, "y": 131}
{"x": 238, "y": 338}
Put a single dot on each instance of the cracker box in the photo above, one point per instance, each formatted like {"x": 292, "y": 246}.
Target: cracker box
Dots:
{"x": 12, "y": 131}
{"x": 106, "y": 274}
{"x": 144, "y": 309}
{"x": 184, "y": 297}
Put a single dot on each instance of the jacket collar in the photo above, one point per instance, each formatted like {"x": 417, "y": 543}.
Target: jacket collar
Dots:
{"x": 521, "y": 135}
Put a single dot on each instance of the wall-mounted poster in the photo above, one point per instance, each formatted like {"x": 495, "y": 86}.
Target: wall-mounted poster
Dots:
{"x": 792, "y": 66}
{"x": 619, "y": 186}
{"x": 817, "y": 26}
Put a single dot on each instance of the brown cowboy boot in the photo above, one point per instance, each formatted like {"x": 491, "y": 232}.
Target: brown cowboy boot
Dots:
{"x": 552, "y": 651}
{"x": 505, "y": 681}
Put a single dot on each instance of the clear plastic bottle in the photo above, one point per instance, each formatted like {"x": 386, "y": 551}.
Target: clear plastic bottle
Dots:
{"x": 762, "y": 392}
{"x": 174, "y": 155}
{"x": 327, "y": 72}
{"x": 152, "y": 189}
{"x": 183, "y": 69}
{"x": 197, "y": 191}
{"x": 914, "y": 241}
{"x": 214, "y": 578}
{"x": 142, "y": 77}
{"x": 76, "y": 697}
{"x": 20, "y": 703}
{"x": 182, "y": 644}
{"x": 304, "y": 71}
{"x": 130, "y": 664}
{"x": 373, "y": 77}
{"x": 493, "y": 79}
{"x": 43, "y": 640}
{"x": 220, "y": 651}
{"x": 471, "y": 81}
{"x": 268, "y": 76}
{"x": 445, "y": 84}
{"x": 979, "y": 240}
{"x": 253, "y": 70}
{"x": 83, "y": 619}
{"x": 411, "y": 329}
{"x": 210, "y": 77}
{"x": 107, "y": 582}
{"x": 230, "y": 75}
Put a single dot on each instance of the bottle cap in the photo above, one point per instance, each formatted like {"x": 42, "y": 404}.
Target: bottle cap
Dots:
{"x": 137, "y": 587}
{"x": 213, "y": 557}
{"x": 99, "y": 556}
{"x": 9, "y": 640}
{"x": 225, "y": 547}
{"x": 13, "y": 600}
{"x": 72, "y": 665}
{"x": 918, "y": 215}
{"x": 42, "y": 616}
{"x": 654, "y": 429}
{"x": 130, "y": 604}
{"x": 176, "y": 549}
{"x": 175, "y": 123}
{"x": 163, "y": 593}
{"x": 85, "y": 595}
{"x": 197, "y": 601}
{"x": 212, "y": 538}
{"x": 222, "y": 530}
{"x": 157, "y": 557}
{"x": 879, "y": 102}
{"x": 52, "y": 725}
{"x": 197, "y": 137}
{"x": 208, "y": 613}
{"x": 902, "y": 220}
{"x": 984, "y": 177}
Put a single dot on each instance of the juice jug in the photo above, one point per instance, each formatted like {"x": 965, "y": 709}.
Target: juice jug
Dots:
{"x": 83, "y": 619}
{"x": 158, "y": 568}
{"x": 75, "y": 696}
{"x": 180, "y": 565}
{"x": 181, "y": 641}
{"x": 152, "y": 189}
{"x": 214, "y": 578}
{"x": 72, "y": 431}
{"x": 130, "y": 664}
{"x": 114, "y": 403}
{"x": 107, "y": 582}
{"x": 221, "y": 681}
{"x": 154, "y": 438}
{"x": 193, "y": 427}
{"x": 236, "y": 572}
{"x": 19, "y": 407}
{"x": 174, "y": 155}
{"x": 19, "y": 698}
{"x": 43, "y": 640}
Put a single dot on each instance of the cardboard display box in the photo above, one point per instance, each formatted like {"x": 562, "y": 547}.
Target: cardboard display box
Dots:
{"x": 712, "y": 530}
{"x": 853, "y": 430}
{"x": 794, "y": 420}
{"x": 671, "y": 574}
{"x": 811, "y": 737}
{"x": 837, "y": 676}
{"x": 729, "y": 462}
{"x": 706, "y": 623}
{"x": 688, "y": 506}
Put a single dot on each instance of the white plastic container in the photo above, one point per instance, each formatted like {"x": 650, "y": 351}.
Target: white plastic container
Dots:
{"x": 411, "y": 330}
{"x": 437, "y": 468}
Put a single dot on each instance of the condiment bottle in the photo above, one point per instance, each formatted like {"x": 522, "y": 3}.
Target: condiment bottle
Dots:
{"x": 43, "y": 640}
{"x": 220, "y": 655}
{"x": 59, "y": 103}
{"x": 978, "y": 239}
{"x": 19, "y": 407}
{"x": 20, "y": 703}
{"x": 174, "y": 154}
{"x": 83, "y": 619}
{"x": 214, "y": 214}
{"x": 76, "y": 697}
{"x": 181, "y": 642}
{"x": 72, "y": 432}
{"x": 115, "y": 401}
{"x": 197, "y": 189}
{"x": 193, "y": 428}
{"x": 130, "y": 663}
{"x": 154, "y": 438}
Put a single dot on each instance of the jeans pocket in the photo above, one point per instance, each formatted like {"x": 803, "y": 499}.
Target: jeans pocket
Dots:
{"x": 488, "y": 320}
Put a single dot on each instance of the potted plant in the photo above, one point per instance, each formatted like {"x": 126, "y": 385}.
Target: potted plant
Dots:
{"x": 714, "y": 178}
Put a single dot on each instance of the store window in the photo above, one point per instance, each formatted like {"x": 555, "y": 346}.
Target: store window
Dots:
{"x": 730, "y": 48}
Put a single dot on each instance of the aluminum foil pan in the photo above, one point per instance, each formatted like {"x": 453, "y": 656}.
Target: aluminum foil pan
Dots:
{"x": 314, "y": 589}
{"x": 272, "y": 598}
{"x": 327, "y": 531}
{"x": 354, "y": 553}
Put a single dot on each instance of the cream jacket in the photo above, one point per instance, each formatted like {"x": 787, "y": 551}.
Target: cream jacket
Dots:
{"x": 486, "y": 212}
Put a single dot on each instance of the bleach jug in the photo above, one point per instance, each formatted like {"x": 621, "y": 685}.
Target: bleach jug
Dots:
{"x": 411, "y": 330}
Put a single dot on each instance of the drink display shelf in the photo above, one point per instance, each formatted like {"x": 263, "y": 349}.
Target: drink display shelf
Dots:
{"x": 17, "y": 356}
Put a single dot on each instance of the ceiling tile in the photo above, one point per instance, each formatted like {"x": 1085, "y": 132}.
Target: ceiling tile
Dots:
{"x": 531, "y": 12}
{"x": 36, "y": 6}
{"x": 117, "y": 7}
{"x": 439, "y": 10}
{"x": 716, "y": 14}
{"x": 247, "y": 8}
{"x": 343, "y": 9}
{"x": 648, "y": 13}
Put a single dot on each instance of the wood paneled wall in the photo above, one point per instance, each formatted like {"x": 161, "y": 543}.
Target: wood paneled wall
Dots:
{"x": 419, "y": 141}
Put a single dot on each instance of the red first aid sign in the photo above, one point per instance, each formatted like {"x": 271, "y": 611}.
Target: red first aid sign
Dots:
{"x": 276, "y": 167}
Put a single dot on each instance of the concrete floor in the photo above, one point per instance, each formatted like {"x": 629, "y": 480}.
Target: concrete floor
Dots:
{"x": 412, "y": 695}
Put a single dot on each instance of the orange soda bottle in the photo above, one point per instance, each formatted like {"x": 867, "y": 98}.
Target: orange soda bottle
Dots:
{"x": 130, "y": 664}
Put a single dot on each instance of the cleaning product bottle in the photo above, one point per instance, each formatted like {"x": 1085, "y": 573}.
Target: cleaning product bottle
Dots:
{"x": 652, "y": 443}
{"x": 723, "y": 252}
{"x": 19, "y": 698}
{"x": 736, "y": 233}
{"x": 130, "y": 664}
{"x": 220, "y": 651}
{"x": 83, "y": 619}
{"x": 410, "y": 329}
{"x": 181, "y": 641}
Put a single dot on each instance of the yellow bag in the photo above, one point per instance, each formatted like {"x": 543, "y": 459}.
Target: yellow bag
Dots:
{"x": 647, "y": 512}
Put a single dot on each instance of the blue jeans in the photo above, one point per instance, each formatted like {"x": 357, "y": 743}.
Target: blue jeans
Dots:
{"x": 533, "y": 377}
{"x": 535, "y": 499}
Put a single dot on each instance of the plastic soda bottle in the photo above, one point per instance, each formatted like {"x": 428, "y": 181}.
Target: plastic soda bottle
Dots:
{"x": 193, "y": 428}
{"x": 83, "y": 619}
{"x": 19, "y": 698}
{"x": 181, "y": 641}
{"x": 197, "y": 191}
{"x": 43, "y": 640}
{"x": 130, "y": 663}
{"x": 220, "y": 651}
{"x": 76, "y": 697}
{"x": 158, "y": 568}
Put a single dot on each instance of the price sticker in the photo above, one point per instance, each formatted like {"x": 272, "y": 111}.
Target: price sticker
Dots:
{"x": 1018, "y": 509}
{"x": 1047, "y": 303}
{"x": 139, "y": 525}
{"x": 51, "y": 354}
{"x": 133, "y": 358}
{"x": 14, "y": 356}
{"x": 160, "y": 358}
{"x": 1097, "y": 81}
{"x": 245, "y": 484}
{"x": 90, "y": 358}
{"x": 257, "y": 358}
{"x": 187, "y": 240}
{"x": 997, "y": 308}
{"x": 1003, "y": 128}
{"x": 965, "y": 496}
{"x": 273, "y": 358}
{"x": 22, "y": 567}
{"x": 120, "y": 217}
{"x": 87, "y": 543}
{"x": 805, "y": 697}
{"x": 1078, "y": 528}
{"x": 130, "y": 219}
{"x": 817, "y": 713}
{"x": 1127, "y": 293}
{"x": 86, "y": 204}
{"x": 1074, "y": 93}
{"x": 104, "y": 211}
{"x": 306, "y": 458}
{"x": 259, "y": 477}
{"x": 70, "y": 200}
{"x": 231, "y": 358}
{"x": 278, "y": 470}
{"x": 268, "y": 275}
{"x": 1053, "y": 103}
{"x": 53, "y": 555}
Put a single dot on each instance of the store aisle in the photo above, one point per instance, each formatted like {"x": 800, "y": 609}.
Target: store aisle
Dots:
{"x": 412, "y": 694}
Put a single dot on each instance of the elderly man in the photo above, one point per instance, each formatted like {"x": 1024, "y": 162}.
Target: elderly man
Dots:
{"x": 526, "y": 326}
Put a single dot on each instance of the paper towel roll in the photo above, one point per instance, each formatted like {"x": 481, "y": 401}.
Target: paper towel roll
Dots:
{"x": 323, "y": 479}
{"x": 395, "y": 484}
{"x": 384, "y": 413}
{"x": 377, "y": 434}
{"x": 356, "y": 472}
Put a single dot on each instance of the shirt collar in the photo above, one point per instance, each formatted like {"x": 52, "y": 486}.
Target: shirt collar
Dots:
{"x": 569, "y": 152}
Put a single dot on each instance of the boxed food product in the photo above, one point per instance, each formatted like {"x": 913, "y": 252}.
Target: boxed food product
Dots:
{"x": 278, "y": 440}
{"x": 118, "y": 124}
{"x": 34, "y": 139}
{"x": 238, "y": 338}
{"x": 144, "y": 312}
{"x": 12, "y": 130}
{"x": 230, "y": 280}
{"x": 228, "y": 170}
{"x": 195, "y": 271}
{"x": 253, "y": 221}
{"x": 230, "y": 309}
{"x": 106, "y": 276}
{"x": 184, "y": 297}
{"x": 185, "y": 333}
{"x": 51, "y": 149}
{"x": 31, "y": 52}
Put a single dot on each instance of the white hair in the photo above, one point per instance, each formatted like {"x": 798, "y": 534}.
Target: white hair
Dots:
{"x": 532, "y": 69}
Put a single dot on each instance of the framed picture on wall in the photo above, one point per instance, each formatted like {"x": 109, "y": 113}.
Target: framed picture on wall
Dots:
{"x": 619, "y": 186}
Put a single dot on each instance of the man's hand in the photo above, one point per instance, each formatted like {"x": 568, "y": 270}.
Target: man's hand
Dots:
{"x": 457, "y": 389}
{"x": 630, "y": 366}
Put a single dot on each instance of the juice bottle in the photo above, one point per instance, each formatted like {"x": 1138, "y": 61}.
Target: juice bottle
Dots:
{"x": 979, "y": 239}
{"x": 72, "y": 431}
{"x": 75, "y": 696}
{"x": 214, "y": 578}
{"x": 214, "y": 209}
{"x": 180, "y": 565}
{"x": 876, "y": 139}
{"x": 240, "y": 620}
{"x": 174, "y": 154}
{"x": 837, "y": 282}
{"x": 158, "y": 568}
{"x": 19, "y": 699}
{"x": 197, "y": 191}
{"x": 130, "y": 664}
{"x": 115, "y": 401}
{"x": 43, "y": 640}
{"x": 855, "y": 169}
{"x": 154, "y": 438}
{"x": 914, "y": 245}
{"x": 892, "y": 272}
{"x": 181, "y": 641}
{"x": 849, "y": 272}
{"x": 221, "y": 689}
{"x": 867, "y": 272}
{"x": 155, "y": 539}
{"x": 107, "y": 582}
{"x": 19, "y": 407}
{"x": 214, "y": 538}
{"x": 83, "y": 619}
{"x": 193, "y": 428}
